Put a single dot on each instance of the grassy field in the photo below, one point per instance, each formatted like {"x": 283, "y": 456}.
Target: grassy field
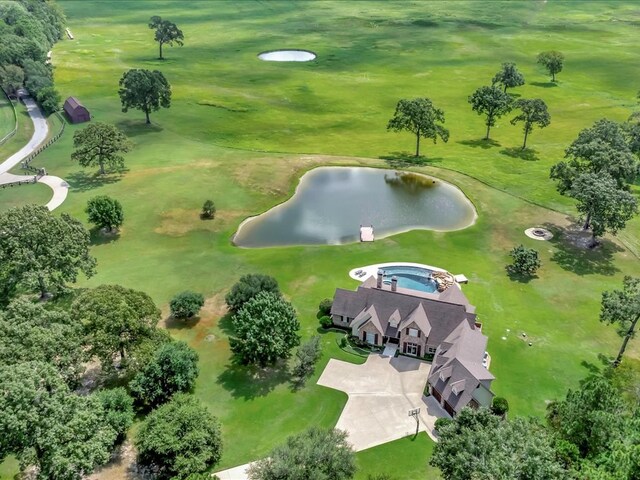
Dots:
{"x": 22, "y": 136}
{"x": 241, "y": 132}
{"x": 7, "y": 118}
{"x": 15, "y": 196}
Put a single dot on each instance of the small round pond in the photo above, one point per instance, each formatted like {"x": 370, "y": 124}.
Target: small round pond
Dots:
{"x": 331, "y": 203}
{"x": 287, "y": 56}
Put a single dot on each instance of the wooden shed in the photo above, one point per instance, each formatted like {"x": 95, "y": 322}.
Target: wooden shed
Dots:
{"x": 76, "y": 112}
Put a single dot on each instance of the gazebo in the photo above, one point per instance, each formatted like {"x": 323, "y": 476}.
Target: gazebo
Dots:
{"x": 76, "y": 112}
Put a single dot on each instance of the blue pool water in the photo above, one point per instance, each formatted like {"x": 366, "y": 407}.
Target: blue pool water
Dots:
{"x": 414, "y": 278}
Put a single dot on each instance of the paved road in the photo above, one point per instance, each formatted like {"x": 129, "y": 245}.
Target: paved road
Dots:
{"x": 381, "y": 393}
{"x": 40, "y": 130}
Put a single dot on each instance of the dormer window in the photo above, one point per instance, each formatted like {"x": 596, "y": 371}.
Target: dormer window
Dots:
{"x": 413, "y": 332}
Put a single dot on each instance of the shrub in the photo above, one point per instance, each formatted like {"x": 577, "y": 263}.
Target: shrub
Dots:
{"x": 248, "y": 287}
{"x": 499, "y": 406}
{"x": 525, "y": 260}
{"x": 186, "y": 304}
{"x": 325, "y": 306}
{"x": 208, "y": 210}
{"x": 326, "y": 321}
{"x": 306, "y": 357}
{"x": 173, "y": 369}
{"x": 442, "y": 422}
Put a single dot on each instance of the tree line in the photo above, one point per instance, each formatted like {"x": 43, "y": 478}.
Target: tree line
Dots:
{"x": 28, "y": 30}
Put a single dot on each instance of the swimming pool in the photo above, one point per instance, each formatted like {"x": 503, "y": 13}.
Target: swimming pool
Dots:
{"x": 414, "y": 278}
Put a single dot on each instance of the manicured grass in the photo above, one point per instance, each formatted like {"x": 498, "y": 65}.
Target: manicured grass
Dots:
{"x": 370, "y": 55}
{"x": 38, "y": 194}
{"x": 7, "y": 118}
{"x": 405, "y": 458}
{"x": 22, "y": 136}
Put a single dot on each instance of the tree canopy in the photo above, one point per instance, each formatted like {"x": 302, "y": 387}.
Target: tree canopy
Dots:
{"x": 186, "y": 304}
{"x": 508, "y": 77}
{"x": 602, "y": 148}
{"x": 477, "y": 444}
{"x": 603, "y": 205}
{"x": 30, "y": 332}
{"x": 526, "y": 261}
{"x": 491, "y": 102}
{"x": 105, "y": 212}
{"x": 314, "y": 454}
{"x": 179, "y": 439}
{"x": 100, "y": 144}
{"x": 116, "y": 320}
{"x": 622, "y": 308}
{"x": 144, "y": 90}
{"x": 265, "y": 329}
{"x": 248, "y": 287}
{"x": 42, "y": 252}
{"x": 166, "y": 32}
{"x": 173, "y": 369}
{"x": 420, "y": 117}
{"x": 533, "y": 113}
{"x": 553, "y": 61}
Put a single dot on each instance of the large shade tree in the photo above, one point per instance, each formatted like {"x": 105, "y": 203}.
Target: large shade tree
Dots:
{"x": 420, "y": 117}
{"x": 248, "y": 287}
{"x": 492, "y": 103}
{"x": 100, "y": 144}
{"x": 508, "y": 77}
{"x": 602, "y": 148}
{"x": 116, "y": 320}
{"x": 314, "y": 454}
{"x": 603, "y": 205}
{"x": 65, "y": 436}
{"x": 166, "y": 32}
{"x": 31, "y": 332}
{"x": 179, "y": 439}
{"x": 41, "y": 252}
{"x": 622, "y": 308}
{"x": 533, "y": 113}
{"x": 265, "y": 330}
{"x": 478, "y": 444}
{"x": 144, "y": 90}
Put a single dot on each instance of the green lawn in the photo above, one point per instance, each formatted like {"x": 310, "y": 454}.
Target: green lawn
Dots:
{"x": 7, "y": 118}
{"x": 19, "y": 195}
{"x": 22, "y": 136}
{"x": 369, "y": 56}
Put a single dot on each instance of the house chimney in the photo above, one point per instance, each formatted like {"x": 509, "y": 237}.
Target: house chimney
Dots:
{"x": 394, "y": 284}
{"x": 379, "y": 281}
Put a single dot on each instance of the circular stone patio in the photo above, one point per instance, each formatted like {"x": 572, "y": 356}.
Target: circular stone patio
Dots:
{"x": 538, "y": 233}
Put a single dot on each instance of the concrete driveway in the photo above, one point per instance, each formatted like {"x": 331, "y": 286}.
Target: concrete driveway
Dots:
{"x": 381, "y": 393}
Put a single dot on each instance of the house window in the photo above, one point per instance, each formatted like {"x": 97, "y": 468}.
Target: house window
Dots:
{"x": 413, "y": 332}
{"x": 412, "y": 349}
{"x": 431, "y": 350}
{"x": 371, "y": 338}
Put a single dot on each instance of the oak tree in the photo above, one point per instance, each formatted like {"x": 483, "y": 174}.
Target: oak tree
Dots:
{"x": 144, "y": 90}
{"x": 100, "y": 144}
{"x": 420, "y": 117}
{"x": 533, "y": 113}
{"x": 248, "y": 287}
{"x": 166, "y": 32}
{"x": 622, "y": 308}
{"x": 508, "y": 77}
{"x": 553, "y": 61}
{"x": 491, "y": 102}
{"x": 105, "y": 212}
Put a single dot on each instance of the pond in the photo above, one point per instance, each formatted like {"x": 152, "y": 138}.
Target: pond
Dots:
{"x": 331, "y": 203}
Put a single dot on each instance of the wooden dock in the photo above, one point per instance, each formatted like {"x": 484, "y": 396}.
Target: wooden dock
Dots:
{"x": 366, "y": 234}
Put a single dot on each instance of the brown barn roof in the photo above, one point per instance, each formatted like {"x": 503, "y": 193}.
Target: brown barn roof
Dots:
{"x": 73, "y": 102}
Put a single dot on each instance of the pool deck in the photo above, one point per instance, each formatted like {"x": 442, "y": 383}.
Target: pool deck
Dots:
{"x": 372, "y": 270}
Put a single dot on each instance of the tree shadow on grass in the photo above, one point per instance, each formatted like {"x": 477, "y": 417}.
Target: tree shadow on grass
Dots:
{"x": 83, "y": 182}
{"x": 483, "y": 143}
{"x": 173, "y": 323}
{"x": 404, "y": 159}
{"x": 136, "y": 127}
{"x": 226, "y": 325}
{"x": 544, "y": 84}
{"x": 518, "y": 276}
{"x": 251, "y": 381}
{"x": 572, "y": 255}
{"x": 99, "y": 237}
{"x": 528, "y": 154}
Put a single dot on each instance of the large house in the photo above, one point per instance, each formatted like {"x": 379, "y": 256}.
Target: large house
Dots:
{"x": 440, "y": 324}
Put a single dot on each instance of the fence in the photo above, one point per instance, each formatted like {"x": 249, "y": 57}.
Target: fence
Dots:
{"x": 26, "y": 163}
{"x": 15, "y": 120}
{"x": 34, "y": 179}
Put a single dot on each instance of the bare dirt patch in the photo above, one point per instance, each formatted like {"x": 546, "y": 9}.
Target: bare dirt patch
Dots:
{"x": 180, "y": 221}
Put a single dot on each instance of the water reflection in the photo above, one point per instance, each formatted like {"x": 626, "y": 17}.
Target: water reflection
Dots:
{"x": 331, "y": 203}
